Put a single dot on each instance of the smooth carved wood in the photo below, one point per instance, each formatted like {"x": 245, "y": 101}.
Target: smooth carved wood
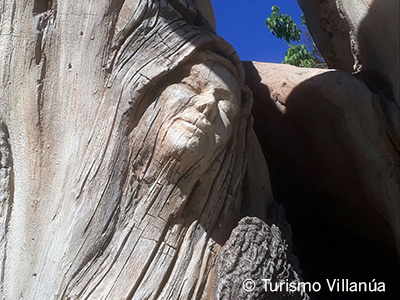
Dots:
{"x": 129, "y": 125}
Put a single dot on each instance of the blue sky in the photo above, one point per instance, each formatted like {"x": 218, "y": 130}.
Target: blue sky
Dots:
{"x": 241, "y": 23}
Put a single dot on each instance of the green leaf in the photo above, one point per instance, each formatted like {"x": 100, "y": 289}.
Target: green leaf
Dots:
{"x": 298, "y": 55}
{"x": 282, "y": 26}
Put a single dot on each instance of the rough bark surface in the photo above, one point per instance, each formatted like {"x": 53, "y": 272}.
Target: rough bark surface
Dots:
{"x": 254, "y": 256}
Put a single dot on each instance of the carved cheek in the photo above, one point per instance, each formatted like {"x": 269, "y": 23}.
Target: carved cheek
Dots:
{"x": 175, "y": 97}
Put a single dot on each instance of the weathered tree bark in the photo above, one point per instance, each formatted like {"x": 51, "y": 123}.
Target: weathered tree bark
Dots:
{"x": 256, "y": 250}
{"x": 124, "y": 137}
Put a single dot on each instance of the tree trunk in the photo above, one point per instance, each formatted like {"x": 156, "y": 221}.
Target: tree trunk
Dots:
{"x": 124, "y": 136}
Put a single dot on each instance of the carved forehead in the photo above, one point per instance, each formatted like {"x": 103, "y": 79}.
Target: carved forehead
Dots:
{"x": 211, "y": 74}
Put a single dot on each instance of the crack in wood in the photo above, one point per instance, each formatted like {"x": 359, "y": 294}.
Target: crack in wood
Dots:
{"x": 6, "y": 195}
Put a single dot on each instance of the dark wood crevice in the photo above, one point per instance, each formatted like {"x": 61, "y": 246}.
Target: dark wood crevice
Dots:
{"x": 41, "y": 6}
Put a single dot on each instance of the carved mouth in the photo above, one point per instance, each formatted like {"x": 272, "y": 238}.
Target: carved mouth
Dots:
{"x": 199, "y": 125}
{"x": 192, "y": 127}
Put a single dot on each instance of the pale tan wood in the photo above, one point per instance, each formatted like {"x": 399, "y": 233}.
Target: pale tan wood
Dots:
{"x": 127, "y": 124}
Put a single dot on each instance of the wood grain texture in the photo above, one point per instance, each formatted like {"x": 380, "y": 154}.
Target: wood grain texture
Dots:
{"x": 129, "y": 124}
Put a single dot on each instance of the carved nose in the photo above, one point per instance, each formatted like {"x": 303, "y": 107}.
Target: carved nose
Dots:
{"x": 207, "y": 105}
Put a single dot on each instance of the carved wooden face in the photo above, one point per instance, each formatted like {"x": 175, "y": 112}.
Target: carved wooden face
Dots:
{"x": 205, "y": 104}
